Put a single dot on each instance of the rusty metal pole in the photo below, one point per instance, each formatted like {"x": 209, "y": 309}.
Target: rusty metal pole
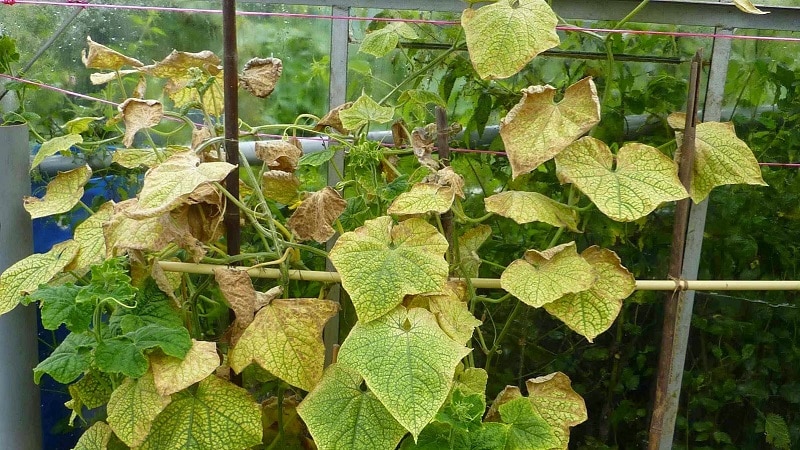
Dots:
{"x": 685, "y": 168}
{"x": 231, "y": 93}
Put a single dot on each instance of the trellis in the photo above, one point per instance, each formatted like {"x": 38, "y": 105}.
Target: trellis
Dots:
{"x": 720, "y": 15}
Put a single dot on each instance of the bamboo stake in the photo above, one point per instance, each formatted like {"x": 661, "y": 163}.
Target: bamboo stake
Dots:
{"x": 494, "y": 283}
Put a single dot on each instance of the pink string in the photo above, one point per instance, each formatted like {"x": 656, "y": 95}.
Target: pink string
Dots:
{"x": 57, "y": 89}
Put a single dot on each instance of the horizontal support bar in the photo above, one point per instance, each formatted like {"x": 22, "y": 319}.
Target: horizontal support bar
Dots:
{"x": 674, "y": 12}
{"x": 494, "y": 283}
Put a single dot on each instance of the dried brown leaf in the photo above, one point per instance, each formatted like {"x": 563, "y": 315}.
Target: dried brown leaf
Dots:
{"x": 237, "y": 288}
{"x": 260, "y": 75}
{"x": 139, "y": 114}
{"x": 314, "y": 217}
{"x": 332, "y": 119}
{"x": 279, "y": 155}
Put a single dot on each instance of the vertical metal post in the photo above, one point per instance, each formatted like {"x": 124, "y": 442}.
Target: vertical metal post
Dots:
{"x": 337, "y": 95}
{"x": 231, "y": 89}
{"x": 712, "y": 108}
{"x": 20, "y": 413}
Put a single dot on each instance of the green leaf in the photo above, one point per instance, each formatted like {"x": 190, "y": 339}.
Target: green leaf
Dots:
{"x": 592, "y": 312}
{"x": 380, "y": 263}
{"x": 133, "y": 407}
{"x": 537, "y": 128}
{"x": 721, "y": 158}
{"x": 423, "y": 198}
{"x": 382, "y": 41}
{"x": 777, "y": 433}
{"x": 109, "y": 280}
{"x": 468, "y": 245}
{"x": 217, "y": 415}
{"x": 79, "y": 124}
{"x": 125, "y": 354}
{"x": 173, "y": 374}
{"x": 169, "y": 184}
{"x": 554, "y": 399}
{"x": 439, "y": 436}
{"x": 152, "y": 307}
{"x": 505, "y": 36}
{"x": 89, "y": 234}
{"x": 363, "y": 111}
{"x": 544, "y": 277}
{"x": 25, "y": 276}
{"x": 59, "y": 306}
{"x": 70, "y": 359}
{"x": 64, "y": 192}
{"x": 521, "y": 428}
{"x": 463, "y": 410}
{"x": 421, "y": 97}
{"x": 316, "y": 159}
{"x": 407, "y": 361}
{"x": 285, "y": 338}
{"x": 642, "y": 179}
{"x": 95, "y": 438}
{"x": 362, "y": 422}
{"x": 55, "y": 145}
{"x": 526, "y": 207}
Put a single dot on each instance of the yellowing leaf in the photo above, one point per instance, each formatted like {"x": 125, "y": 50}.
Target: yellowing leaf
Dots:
{"x": 554, "y": 399}
{"x": 101, "y": 57}
{"x": 451, "y": 311}
{"x": 363, "y": 111}
{"x": 537, "y": 129}
{"x": 312, "y": 220}
{"x": 748, "y": 7}
{"x": 55, "y": 145}
{"x": 279, "y": 154}
{"x": 138, "y": 115}
{"x": 362, "y": 422}
{"x": 423, "y": 198}
{"x": 133, "y": 407}
{"x": 468, "y": 245}
{"x": 544, "y": 277}
{"x": 107, "y": 77}
{"x": 505, "y": 36}
{"x": 526, "y": 207}
{"x": 642, "y": 179}
{"x": 592, "y": 312}
{"x": 89, "y": 234}
{"x": 26, "y": 275}
{"x": 382, "y": 41}
{"x": 380, "y": 263}
{"x": 123, "y": 233}
{"x": 260, "y": 75}
{"x": 285, "y": 338}
{"x": 217, "y": 415}
{"x": 280, "y": 186}
{"x": 132, "y": 158}
{"x": 172, "y": 374}
{"x": 407, "y": 361}
{"x": 95, "y": 438}
{"x": 184, "y": 93}
{"x": 171, "y": 182}
{"x": 721, "y": 158}
{"x": 176, "y": 65}
{"x": 64, "y": 192}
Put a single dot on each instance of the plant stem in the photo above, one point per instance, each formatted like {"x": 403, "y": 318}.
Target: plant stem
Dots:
{"x": 421, "y": 71}
{"x": 631, "y": 14}
{"x": 502, "y": 335}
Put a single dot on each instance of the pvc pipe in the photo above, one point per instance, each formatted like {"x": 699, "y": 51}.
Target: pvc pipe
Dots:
{"x": 20, "y": 413}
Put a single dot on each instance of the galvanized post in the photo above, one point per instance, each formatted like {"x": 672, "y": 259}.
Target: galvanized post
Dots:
{"x": 337, "y": 95}
{"x": 20, "y": 414}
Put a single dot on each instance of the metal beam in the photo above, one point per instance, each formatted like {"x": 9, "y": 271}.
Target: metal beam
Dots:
{"x": 674, "y": 12}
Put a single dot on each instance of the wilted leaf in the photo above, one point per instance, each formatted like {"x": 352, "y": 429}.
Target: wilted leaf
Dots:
{"x": 218, "y": 415}
{"x": 172, "y": 374}
{"x": 285, "y": 338}
{"x": 423, "y": 140}
{"x": 592, "y": 312}
{"x": 107, "y": 77}
{"x": 124, "y": 234}
{"x": 423, "y": 198}
{"x": 554, "y": 399}
{"x": 331, "y": 119}
{"x": 237, "y": 288}
{"x": 103, "y": 58}
{"x": 63, "y": 192}
{"x": 642, "y": 179}
{"x": 133, "y": 407}
{"x": 89, "y": 234}
{"x": 748, "y": 7}
{"x": 132, "y": 158}
{"x": 177, "y": 64}
{"x": 449, "y": 178}
{"x": 138, "y": 115}
{"x": 526, "y": 207}
{"x": 468, "y": 245}
{"x": 279, "y": 154}
{"x": 363, "y": 111}
{"x": 543, "y": 277}
{"x": 382, "y": 41}
{"x": 95, "y": 438}
{"x": 537, "y": 129}
{"x": 55, "y": 145}
{"x": 312, "y": 220}
{"x": 260, "y": 75}
{"x": 25, "y": 276}
{"x": 281, "y": 186}
{"x": 185, "y": 93}
{"x": 362, "y": 422}
{"x": 505, "y": 36}
{"x": 407, "y": 361}
{"x": 380, "y": 263}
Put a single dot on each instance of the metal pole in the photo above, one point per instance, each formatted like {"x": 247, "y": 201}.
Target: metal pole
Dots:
{"x": 231, "y": 84}
{"x": 337, "y": 95}
{"x": 20, "y": 413}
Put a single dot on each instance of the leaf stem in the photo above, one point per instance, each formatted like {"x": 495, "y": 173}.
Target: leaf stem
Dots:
{"x": 502, "y": 335}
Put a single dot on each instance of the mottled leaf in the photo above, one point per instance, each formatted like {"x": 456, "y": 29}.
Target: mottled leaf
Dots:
{"x": 554, "y": 399}
{"x": 537, "y": 129}
{"x": 423, "y": 198}
{"x": 55, "y": 145}
{"x": 468, "y": 245}
{"x": 381, "y": 41}
{"x": 380, "y": 263}
{"x": 505, "y": 36}
{"x": 279, "y": 154}
{"x": 89, "y": 234}
{"x": 407, "y": 361}
{"x": 138, "y": 115}
{"x": 101, "y": 57}
{"x": 526, "y": 207}
{"x": 363, "y": 111}
{"x": 626, "y": 187}
{"x": 95, "y": 438}
{"x": 132, "y": 158}
{"x": 63, "y": 192}
{"x": 237, "y": 288}
{"x": 133, "y": 407}
{"x": 260, "y": 75}
{"x": 362, "y": 422}
{"x": 123, "y": 233}
{"x": 543, "y": 277}
{"x": 217, "y": 415}
{"x": 175, "y": 374}
{"x": 313, "y": 219}
{"x": 281, "y": 186}
{"x": 451, "y": 310}
{"x": 592, "y": 312}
